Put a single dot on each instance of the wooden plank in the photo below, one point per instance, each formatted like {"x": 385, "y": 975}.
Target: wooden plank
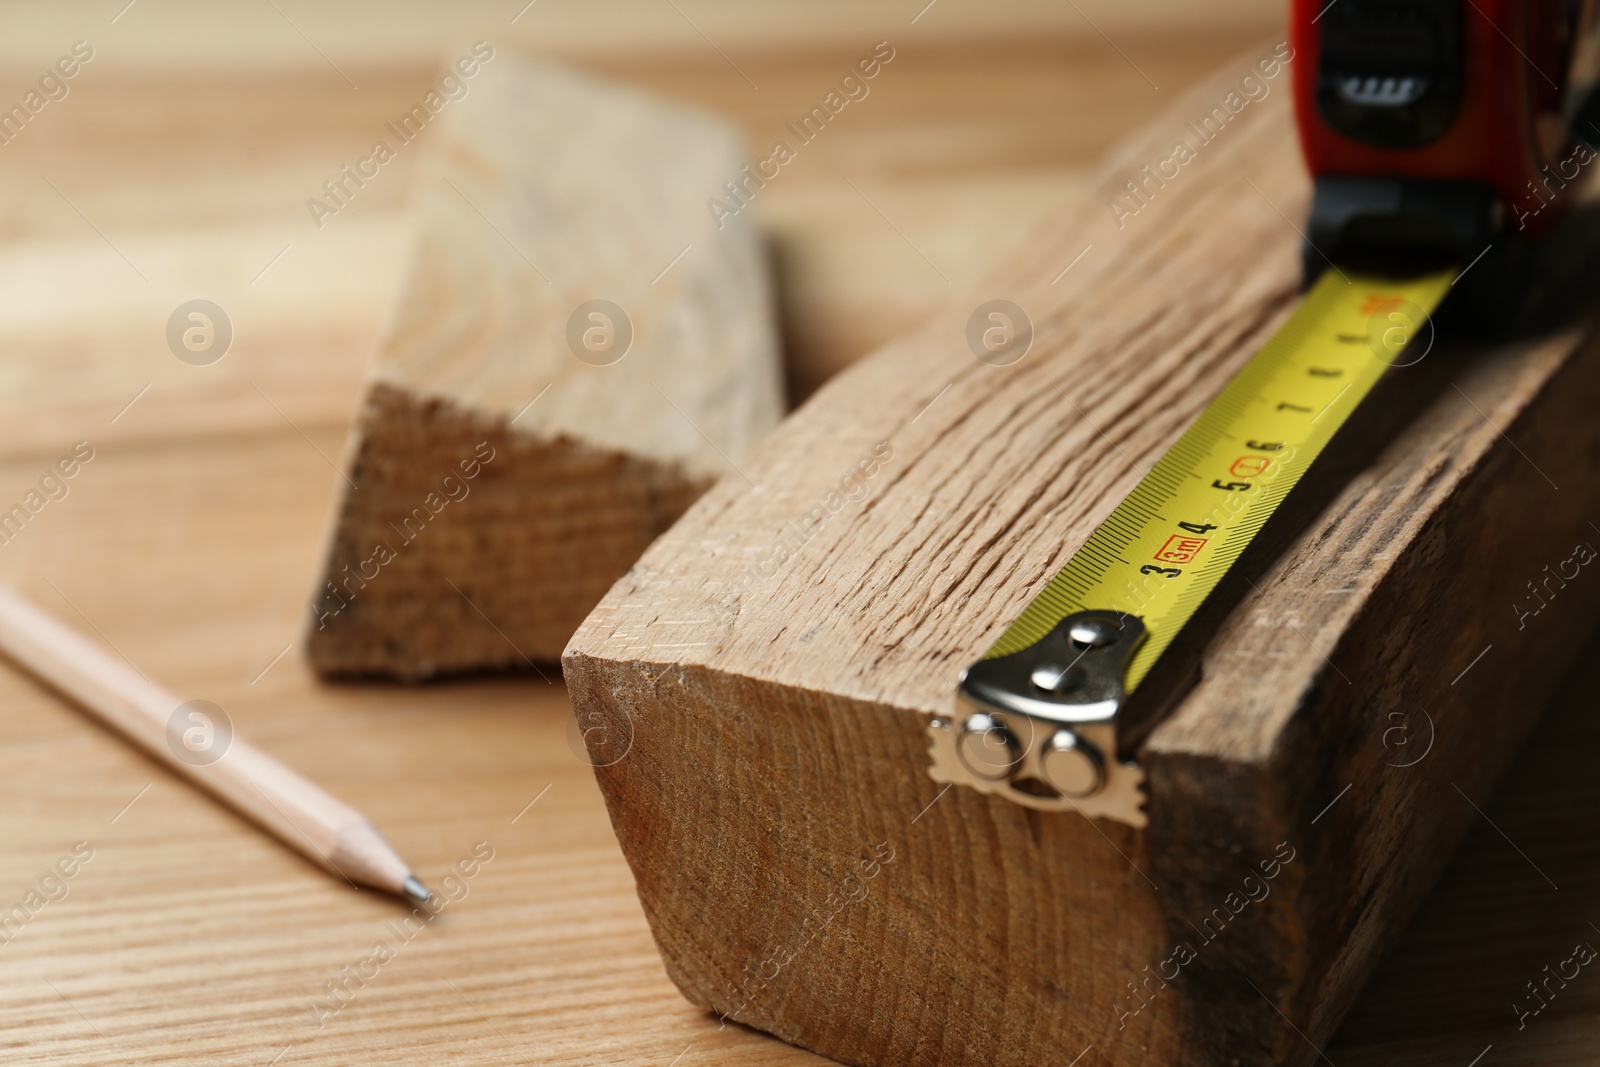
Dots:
{"x": 189, "y": 542}
{"x": 777, "y": 657}
{"x": 577, "y": 353}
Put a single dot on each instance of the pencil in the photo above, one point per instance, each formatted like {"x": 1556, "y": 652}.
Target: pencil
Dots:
{"x": 299, "y": 813}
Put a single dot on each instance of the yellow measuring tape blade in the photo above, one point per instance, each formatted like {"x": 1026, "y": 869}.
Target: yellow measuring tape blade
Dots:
{"x": 1169, "y": 543}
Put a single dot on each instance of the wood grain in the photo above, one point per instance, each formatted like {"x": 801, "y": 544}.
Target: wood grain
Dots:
{"x": 779, "y": 680}
{"x": 189, "y": 544}
{"x": 191, "y": 539}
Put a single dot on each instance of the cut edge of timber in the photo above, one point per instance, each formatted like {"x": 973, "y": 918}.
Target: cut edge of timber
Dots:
{"x": 777, "y": 777}
{"x": 392, "y": 561}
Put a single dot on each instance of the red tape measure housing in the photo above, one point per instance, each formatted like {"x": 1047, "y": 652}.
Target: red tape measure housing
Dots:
{"x": 1458, "y": 91}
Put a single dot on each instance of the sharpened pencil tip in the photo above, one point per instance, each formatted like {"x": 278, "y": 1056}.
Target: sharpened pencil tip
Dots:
{"x": 415, "y": 890}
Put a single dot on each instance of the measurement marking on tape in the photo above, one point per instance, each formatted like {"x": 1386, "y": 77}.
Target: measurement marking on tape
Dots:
{"x": 1037, "y": 719}
{"x": 1235, "y": 464}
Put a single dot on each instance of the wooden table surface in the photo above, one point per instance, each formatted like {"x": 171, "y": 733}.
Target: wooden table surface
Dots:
{"x": 178, "y": 167}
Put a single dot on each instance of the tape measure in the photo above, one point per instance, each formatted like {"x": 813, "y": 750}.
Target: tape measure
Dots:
{"x": 1423, "y": 135}
{"x": 1036, "y": 718}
